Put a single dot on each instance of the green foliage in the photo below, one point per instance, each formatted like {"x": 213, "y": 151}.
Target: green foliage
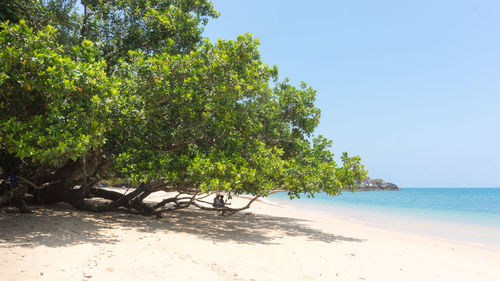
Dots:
{"x": 52, "y": 107}
{"x": 132, "y": 82}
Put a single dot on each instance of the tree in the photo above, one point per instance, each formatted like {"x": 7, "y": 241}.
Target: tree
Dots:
{"x": 136, "y": 93}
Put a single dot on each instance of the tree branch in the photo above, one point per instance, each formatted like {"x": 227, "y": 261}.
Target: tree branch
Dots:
{"x": 84, "y": 21}
{"x": 106, "y": 194}
{"x": 126, "y": 197}
{"x": 36, "y": 187}
{"x": 227, "y": 210}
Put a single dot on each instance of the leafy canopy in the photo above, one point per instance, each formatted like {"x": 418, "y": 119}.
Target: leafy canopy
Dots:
{"x": 133, "y": 84}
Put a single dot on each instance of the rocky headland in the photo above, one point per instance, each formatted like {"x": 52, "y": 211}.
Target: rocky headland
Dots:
{"x": 376, "y": 184}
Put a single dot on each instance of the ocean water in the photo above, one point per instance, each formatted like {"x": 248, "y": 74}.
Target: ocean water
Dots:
{"x": 466, "y": 214}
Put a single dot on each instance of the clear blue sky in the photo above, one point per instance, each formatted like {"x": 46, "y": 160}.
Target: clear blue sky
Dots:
{"x": 413, "y": 87}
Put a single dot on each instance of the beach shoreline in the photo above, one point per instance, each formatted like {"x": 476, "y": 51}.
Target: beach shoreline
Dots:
{"x": 268, "y": 242}
{"x": 486, "y": 237}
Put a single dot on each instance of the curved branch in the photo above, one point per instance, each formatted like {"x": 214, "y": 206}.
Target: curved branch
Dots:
{"x": 227, "y": 210}
{"x": 246, "y": 206}
{"x": 36, "y": 187}
{"x": 164, "y": 202}
{"x": 106, "y": 194}
{"x": 126, "y": 197}
{"x": 28, "y": 182}
{"x": 187, "y": 204}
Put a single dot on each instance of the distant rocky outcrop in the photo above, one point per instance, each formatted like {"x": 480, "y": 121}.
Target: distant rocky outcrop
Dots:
{"x": 376, "y": 184}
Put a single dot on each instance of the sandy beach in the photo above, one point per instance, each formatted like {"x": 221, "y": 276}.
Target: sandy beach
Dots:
{"x": 268, "y": 242}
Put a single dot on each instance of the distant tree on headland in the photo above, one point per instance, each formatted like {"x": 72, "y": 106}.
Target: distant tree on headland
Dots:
{"x": 130, "y": 89}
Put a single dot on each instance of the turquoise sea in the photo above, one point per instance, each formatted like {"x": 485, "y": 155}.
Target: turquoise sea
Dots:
{"x": 465, "y": 214}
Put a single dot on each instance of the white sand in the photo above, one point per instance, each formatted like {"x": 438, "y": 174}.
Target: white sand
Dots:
{"x": 275, "y": 243}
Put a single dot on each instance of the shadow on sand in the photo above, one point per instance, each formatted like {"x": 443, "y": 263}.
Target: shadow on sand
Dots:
{"x": 61, "y": 225}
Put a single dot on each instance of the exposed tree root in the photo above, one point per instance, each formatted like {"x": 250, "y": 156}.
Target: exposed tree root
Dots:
{"x": 96, "y": 199}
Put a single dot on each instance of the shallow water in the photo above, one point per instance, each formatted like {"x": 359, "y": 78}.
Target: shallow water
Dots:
{"x": 469, "y": 215}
